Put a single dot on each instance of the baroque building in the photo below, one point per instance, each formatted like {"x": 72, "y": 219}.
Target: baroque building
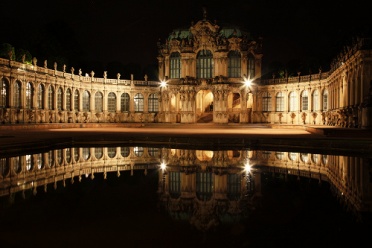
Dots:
{"x": 207, "y": 73}
{"x": 203, "y": 187}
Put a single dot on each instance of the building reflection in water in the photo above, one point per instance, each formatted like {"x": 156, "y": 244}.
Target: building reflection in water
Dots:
{"x": 204, "y": 188}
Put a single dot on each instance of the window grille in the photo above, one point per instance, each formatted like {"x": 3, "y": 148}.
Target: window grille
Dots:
{"x": 204, "y": 64}
{"x": 175, "y": 65}
{"x": 153, "y": 103}
{"x": 325, "y": 101}
{"x": 86, "y": 101}
{"x": 111, "y": 102}
{"x": 17, "y": 95}
{"x": 266, "y": 102}
{"x": 76, "y": 100}
{"x": 316, "y": 103}
{"x": 59, "y": 99}
{"x": 124, "y": 102}
{"x": 3, "y": 93}
{"x": 304, "y": 101}
{"x": 68, "y": 100}
{"x": 29, "y": 95}
{"x": 279, "y": 102}
{"x": 40, "y": 97}
{"x": 234, "y": 64}
{"x": 138, "y": 102}
{"x": 98, "y": 102}
{"x": 292, "y": 102}
{"x": 50, "y": 98}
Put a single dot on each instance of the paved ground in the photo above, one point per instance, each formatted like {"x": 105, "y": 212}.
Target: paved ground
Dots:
{"x": 15, "y": 138}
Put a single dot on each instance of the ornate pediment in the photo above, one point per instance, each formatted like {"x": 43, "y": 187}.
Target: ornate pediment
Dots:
{"x": 234, "y": 43}
{"x": 204, "y": 32}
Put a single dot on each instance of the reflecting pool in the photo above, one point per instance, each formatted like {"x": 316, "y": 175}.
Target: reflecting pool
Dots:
{"x": 148, "y": 196}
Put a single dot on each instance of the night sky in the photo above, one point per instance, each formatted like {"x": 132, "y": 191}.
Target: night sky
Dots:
{"x": 96, "y": 34}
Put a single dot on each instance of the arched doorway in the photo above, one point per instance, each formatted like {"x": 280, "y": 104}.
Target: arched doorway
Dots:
{"x": 234, "y": 107}
{"x": 204, "y": 106}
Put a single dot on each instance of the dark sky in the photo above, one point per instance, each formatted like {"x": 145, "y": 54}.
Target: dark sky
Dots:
{"x": 127, "y": 30}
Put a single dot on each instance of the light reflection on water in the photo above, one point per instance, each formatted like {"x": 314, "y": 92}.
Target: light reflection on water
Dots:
{"x": 184, "y": 196}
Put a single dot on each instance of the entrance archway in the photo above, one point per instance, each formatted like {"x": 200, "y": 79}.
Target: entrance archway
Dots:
{"x": 204, "y": 106}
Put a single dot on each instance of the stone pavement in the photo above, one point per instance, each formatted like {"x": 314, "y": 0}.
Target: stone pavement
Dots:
{"x": 16, "y": 138}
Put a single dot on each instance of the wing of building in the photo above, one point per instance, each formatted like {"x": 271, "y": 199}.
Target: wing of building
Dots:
{"x": 207, "y": 73}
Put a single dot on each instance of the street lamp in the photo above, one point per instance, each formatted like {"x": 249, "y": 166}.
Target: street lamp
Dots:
{"x": 163, "y": 84}
{"x": 247, "y": 82}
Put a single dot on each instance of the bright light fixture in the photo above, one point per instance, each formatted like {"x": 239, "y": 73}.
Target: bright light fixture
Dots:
{"x": 247, "y": 82}
{"x": 247, "y": 167}
{"x": 163, "y": 166}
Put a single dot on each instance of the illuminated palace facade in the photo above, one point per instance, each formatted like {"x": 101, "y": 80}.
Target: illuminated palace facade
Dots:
{"x": 200, "y": 186}
{"x": 207, "y": 73}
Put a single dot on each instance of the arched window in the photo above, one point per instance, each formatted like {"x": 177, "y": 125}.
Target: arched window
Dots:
{"x": 60, "y": 156}
{"x": 204, "y": 185}
{"x": 111, "y": 152}
{"x": 98, "y": 102}
{"x": 86, "y": 101}
{"x": 4, "y": 166}
{"x": 17, "y": 165}
{"x": 324, "y": 159}
{"x": 153, "y": 103}
{"x": 204, "y": 64}
{"x": 233, "y": 186}
{"x": 51, "y": 97}
{"x": 76, "y": 154}
{"x": 124, "y": 102}
{"x": 86, "y": 153}
{"x": 51, "y": 158}
{"x": 292, "y": 101}
{"x": 315, "y": 158}
{"x": 4, "y": 92}
{"x": 76, "y": 100}
{"x": 138, "y": 102}
{"x": 29, "y": 163}
{"x": 124, "y": 151}
{"x": 234, "y": 64}
{"x": 138, "y": 151}
{"x": 251, "y": 66}
{"x": 111, "y": 102}
{"x": 40, "y": 161}
{"x": 174, "y": 184}
{"x": 304, "y": 101}
{"x": 68, "y": 100}
{"x": 59, "y": 98}
{"x": 304, "y": 157}
{"x": 266, "y": 102}
{"x": 17, "y": 95}
{"x": 153, "y": 151}
{"x": 325, "y": 100}
{"x": 279, "y": 155}
{"x": 315, "y": 100}
{"x": 68, "y": 154}
{"x": 266, "y": 155}
{"x": 98, "y": 152}
{"x": 175, "y": 65}
{"x": 29, "y": 95}
{"x": 292, "y": 156}
{"x": 279, "y": 102}
{"x": 40, "y": 97}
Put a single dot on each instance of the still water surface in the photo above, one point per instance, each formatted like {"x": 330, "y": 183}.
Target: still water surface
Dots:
{"x": 139, "y": 196}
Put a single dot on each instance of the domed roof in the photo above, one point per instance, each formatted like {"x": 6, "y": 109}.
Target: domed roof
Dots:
{"x": 180, "y": 33}
{"x": 229, "y": 30}
{"x": 225, "y": 31}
